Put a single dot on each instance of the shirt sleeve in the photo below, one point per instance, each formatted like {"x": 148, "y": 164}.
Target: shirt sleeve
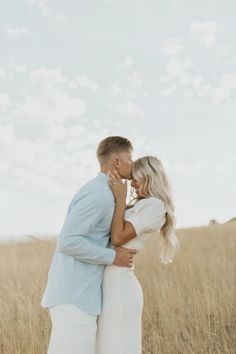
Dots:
{"x": 147, "y": 215}
{"x": 82, "y": 217}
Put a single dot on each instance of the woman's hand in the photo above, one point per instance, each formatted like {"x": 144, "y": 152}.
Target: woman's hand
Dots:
{"x": 119, "y": 188}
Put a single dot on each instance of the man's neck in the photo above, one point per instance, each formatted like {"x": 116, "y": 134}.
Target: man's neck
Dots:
{"x": 105, "y": 169}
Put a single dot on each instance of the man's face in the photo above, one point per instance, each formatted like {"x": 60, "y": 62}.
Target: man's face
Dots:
{"x": 123, "y": 164}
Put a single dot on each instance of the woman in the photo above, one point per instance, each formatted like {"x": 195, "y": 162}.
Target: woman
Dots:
{"x": 119, "y": 326}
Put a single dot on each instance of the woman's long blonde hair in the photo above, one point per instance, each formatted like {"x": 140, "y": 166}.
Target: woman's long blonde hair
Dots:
{"x": 150, "y": 172}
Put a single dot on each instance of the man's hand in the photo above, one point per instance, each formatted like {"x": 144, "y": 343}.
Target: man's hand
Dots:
{"x": 124, "y": 257}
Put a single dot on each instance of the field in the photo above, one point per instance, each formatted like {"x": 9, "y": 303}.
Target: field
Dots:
{"x": 189, "y": 305}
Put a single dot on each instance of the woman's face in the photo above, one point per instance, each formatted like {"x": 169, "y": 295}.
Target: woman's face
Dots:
{"x": 136, "y": 185}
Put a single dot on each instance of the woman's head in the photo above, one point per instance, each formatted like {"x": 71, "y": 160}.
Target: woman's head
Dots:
{"x": 149, "y": 179}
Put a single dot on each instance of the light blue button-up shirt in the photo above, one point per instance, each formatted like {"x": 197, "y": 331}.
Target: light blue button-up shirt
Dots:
{"x": 83, "y": 249}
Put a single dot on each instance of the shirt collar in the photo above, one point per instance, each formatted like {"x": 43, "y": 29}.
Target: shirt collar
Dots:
{"x": 102, "y": 175}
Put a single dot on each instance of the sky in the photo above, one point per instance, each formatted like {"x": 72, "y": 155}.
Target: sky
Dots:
{"x": 161, "y": 73}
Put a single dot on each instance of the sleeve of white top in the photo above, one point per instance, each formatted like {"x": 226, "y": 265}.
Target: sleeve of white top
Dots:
{"x": 147, "y": 215}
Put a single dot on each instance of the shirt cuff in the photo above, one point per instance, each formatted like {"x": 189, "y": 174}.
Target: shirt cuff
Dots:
{"x": 111, "y": 255}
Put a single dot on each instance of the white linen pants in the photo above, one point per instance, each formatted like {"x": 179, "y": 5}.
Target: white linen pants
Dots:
{"x": 119, "y": 327}
{"x": 73, "y": 330}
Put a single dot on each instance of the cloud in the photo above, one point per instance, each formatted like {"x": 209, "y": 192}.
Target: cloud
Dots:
{"x": 61, "y": 18}
{"x": 5, "y": 102}
{"x": 18, "y": 68}
{"x": 172, "y": 46}
{"x": 129, "y": 109}
{"x": 84, "y": 81}
{"x": 205, "y": 31}
{"x": 131, "y": 83}
{"x": 225, "y": 90}
{"x": 44, "y": 74}
{"x": 59, "y": 159}
{"x": 177, "y": 3}
{"x": 126, "y": 93}
{"x": 49, "y": 105}
{"x": 126, "y": 63}
{"x": 45, "y": 98}
{"x": 55, "y": 76}
{"x": 13, "y": 31}
{"x": 116, "y": 89}
{"x": 41, "y": 5}
{"x": 44, "y": 146}
{"x": 180, "y": 81}
{"x": 2, "y": 74}
{"x": 187, "y": 169}
{"x": 40, "y": 176}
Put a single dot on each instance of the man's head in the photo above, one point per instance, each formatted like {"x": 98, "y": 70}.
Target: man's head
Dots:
{"x": 115, "y": 152}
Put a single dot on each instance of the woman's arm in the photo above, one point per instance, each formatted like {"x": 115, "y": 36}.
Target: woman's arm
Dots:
{"x": 121, "y": 231}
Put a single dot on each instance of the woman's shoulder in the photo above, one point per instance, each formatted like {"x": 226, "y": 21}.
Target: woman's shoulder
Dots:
{"x": 150, "y": 202}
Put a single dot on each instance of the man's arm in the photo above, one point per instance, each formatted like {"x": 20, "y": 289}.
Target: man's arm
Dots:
{"x": 85, "y": 213}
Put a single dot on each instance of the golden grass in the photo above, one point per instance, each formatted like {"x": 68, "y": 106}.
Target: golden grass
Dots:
{"x": 189, "y": 305}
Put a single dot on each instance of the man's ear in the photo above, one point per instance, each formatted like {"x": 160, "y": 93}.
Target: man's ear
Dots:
{"x": 117, "y": 162}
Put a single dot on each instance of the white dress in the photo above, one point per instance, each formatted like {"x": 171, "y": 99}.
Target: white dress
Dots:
{"x": 119, "y": 327}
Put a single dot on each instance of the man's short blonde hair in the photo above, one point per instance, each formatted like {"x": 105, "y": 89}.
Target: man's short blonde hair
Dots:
{"x": 112, "y": 144}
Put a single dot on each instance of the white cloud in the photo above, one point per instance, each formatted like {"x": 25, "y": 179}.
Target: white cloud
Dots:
{"x": 63, "y": 154}
{"x": 61, "y": 150}
{"x": 47, "y": 166}
{"x": 178, "y": 3}
{"x": 178, "y": 68}
{"x": 54, "y": 166}
{"x": 18, "y": 68}
{"x": 61, "y": 157}
{"x": 2, "y": 74}
{"x": 206, "y": 31}
{"x": 13, "y": 31}
{"x": 172, "y": 46}
{"x": 61, "y": 18}
{"x": 131, "y": 83}
{"x": 130, "y": 108}
{"x": 44, "y": 7}
{"x": 49, "y": 105}
{"x": 44, "y": 97}
{"x": 7, "y": 135}
{"x": 55, "y": 76}
{"x": 41, "y": 5}
{"x": 125, "y": 94}
{"x": 51, "y": 149}
{"x": 179, "y": 80}
{"x": 116, "y": 89}
{"x": 186, "y": 169}
{"x": 126, "y": 63}
{"x": 86, "y": 82}
{"x": 225, "y": 90}
{"x": 5, "y": 101}
{"x": 134, "y": 80}
{"x": 169, "y": 91}
{"x": 44, "y": 74}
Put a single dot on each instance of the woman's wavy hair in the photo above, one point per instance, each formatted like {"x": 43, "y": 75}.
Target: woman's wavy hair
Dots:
{"x": 150, "y": 172}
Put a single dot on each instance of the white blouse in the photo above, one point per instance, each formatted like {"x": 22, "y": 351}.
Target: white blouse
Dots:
{"x": 147, "y": 216}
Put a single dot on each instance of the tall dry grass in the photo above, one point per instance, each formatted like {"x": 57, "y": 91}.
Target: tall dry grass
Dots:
{"x": 189, "y": 305}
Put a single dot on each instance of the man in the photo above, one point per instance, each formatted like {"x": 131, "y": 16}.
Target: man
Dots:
{"x": 73, "y": 291}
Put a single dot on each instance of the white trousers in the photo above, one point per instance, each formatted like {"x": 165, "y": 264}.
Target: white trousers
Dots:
{"x": 73, "y": 330}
